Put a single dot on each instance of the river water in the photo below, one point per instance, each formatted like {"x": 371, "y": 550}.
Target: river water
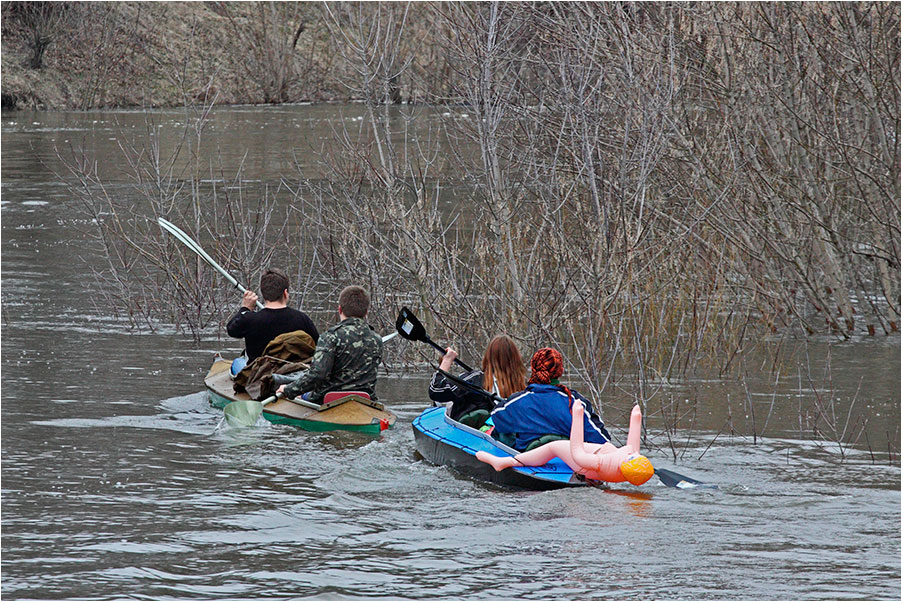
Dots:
{"x": 118, "y": 480}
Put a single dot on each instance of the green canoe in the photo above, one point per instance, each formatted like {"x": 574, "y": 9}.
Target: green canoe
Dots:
{"x": 347, "y": 413}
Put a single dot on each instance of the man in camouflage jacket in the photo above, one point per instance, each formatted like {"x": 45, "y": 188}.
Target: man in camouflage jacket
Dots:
{"x": 347, "y": 354}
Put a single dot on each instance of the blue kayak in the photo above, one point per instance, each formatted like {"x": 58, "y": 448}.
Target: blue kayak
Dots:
{"x": 443, "y": 441}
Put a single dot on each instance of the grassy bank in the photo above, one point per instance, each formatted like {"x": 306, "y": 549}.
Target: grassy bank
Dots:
{"x": 72, "y": 55}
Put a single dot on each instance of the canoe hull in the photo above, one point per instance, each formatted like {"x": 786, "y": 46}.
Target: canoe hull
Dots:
{"x": 442, "y": 441}
{"x": 349, "y": 416}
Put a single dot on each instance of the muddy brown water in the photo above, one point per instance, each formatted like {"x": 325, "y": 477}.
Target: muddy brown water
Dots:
{"x": 118, "y": 483}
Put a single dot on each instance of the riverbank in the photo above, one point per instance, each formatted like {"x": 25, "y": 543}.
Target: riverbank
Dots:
{"x": 79, "y": 56}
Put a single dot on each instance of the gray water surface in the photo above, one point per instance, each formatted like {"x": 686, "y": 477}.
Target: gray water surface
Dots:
{"x": 119, "y": 481}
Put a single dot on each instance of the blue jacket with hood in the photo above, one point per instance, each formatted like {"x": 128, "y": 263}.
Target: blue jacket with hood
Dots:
{"x": 543, "y": 409}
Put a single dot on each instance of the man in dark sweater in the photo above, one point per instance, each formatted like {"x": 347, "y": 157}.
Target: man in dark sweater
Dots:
{"x": 259, "y": 328}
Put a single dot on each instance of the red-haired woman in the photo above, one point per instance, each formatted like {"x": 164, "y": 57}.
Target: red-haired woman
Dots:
{"x": 503, "y": 373}
{"x": 544, "y": 408}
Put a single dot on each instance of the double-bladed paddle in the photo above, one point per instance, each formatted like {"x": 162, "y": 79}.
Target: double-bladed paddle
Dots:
{"x": 244, "y": 413}
{"x": 412, "y": 329}
{"x": 676, "y": 480}
{"x": 239, "y": 412}
{"x": 672, "y": 479}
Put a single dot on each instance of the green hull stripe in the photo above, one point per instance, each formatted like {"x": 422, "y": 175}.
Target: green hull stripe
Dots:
{"x": 319, "y": 425}
{"x": 218, "y": 401}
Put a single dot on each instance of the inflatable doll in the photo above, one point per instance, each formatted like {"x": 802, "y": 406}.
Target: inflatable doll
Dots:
{"x": 601, "y": 462}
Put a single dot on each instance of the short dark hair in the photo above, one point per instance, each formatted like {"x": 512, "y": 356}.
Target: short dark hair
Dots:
{"x": 354, "y": 301}
{"x": 272, "y": 284}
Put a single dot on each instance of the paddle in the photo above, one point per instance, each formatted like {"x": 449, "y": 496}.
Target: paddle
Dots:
{"x": 467, "y": 385}
{"x": 192, "y": 244}
{"x": 676, "y": 480}
{"x": 244, "y": 413}
{"x": 672, "y": 479}
{"x": 410, "y": 328}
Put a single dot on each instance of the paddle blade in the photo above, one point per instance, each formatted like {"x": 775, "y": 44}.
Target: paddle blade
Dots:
{"x": 672, "y": 479}
{"x": 409, "y": 327}
{"x": 243, "y": 413}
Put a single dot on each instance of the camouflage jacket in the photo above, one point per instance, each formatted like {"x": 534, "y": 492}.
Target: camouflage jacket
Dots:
{"x": 346, "y": 358}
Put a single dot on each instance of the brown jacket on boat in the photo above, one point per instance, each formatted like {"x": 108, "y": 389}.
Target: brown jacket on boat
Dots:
{"x": 287, "y": 353}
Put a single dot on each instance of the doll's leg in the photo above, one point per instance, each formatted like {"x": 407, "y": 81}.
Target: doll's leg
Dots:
{"x": 498, "y": 462}
{"x": 635, "y": 431}
{"x": 534, "y": 458}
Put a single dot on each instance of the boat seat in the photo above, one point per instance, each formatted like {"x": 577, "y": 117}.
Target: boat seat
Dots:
{"x": 330, "y": 396}
{"x": 549, "y": 437}
{"x": 332, "y": 399}
{"x": 475, "y": 418}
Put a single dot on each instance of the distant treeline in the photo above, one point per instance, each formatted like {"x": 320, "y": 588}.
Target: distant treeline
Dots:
{"x": 653, "y": 183}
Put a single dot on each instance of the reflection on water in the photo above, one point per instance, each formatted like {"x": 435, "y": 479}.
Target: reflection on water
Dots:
{"x": 119, "y": 481}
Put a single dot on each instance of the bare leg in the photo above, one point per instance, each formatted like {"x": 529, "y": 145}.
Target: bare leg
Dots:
{"x": 498, "y": 462}
{"x": 534, "y": 458}
{"x": 634, "y": 432}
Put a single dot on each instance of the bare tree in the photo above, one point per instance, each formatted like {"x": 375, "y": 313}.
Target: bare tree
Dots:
{"x": 808, "y": 100}
{"x": 656, "y": 189}
{"x": 42, "y": 23}
{"x": 267, "y": 35}
{"x": 148, "y": 276}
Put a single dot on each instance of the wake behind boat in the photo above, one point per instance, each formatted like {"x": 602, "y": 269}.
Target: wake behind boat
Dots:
{"x": 349, "y": 412}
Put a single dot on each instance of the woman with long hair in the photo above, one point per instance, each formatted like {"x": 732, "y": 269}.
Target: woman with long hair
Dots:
{"x": 502, "y": 373}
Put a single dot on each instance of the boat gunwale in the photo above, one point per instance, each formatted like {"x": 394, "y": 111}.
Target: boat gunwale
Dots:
{"x": 440, "y": 452}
